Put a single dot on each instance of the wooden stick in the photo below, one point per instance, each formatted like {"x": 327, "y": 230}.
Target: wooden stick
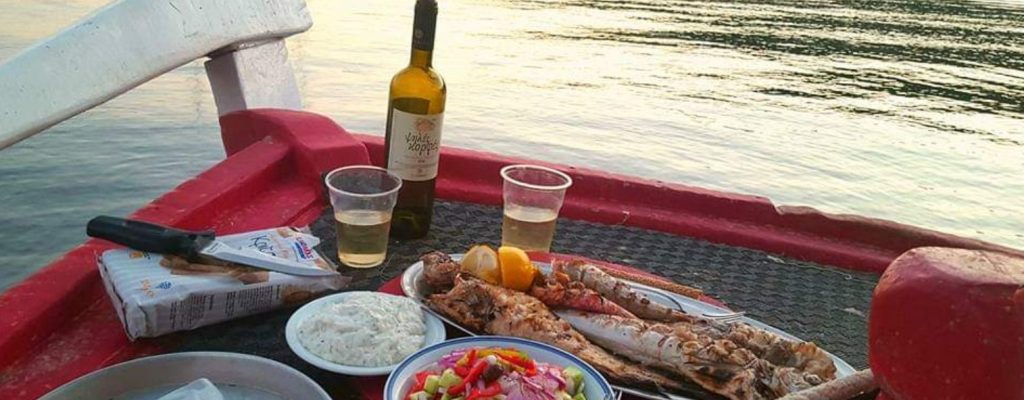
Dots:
{"x": 657, "y": 282}
{"x": 840, "y": 389}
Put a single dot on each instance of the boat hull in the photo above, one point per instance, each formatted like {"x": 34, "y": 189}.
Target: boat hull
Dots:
{"x": 58, "y": 324}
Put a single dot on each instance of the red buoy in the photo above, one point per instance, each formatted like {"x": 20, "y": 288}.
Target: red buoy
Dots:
{"x": 949, "y": 324}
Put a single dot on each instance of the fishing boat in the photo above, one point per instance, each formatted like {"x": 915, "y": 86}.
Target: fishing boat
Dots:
{"x": 799, "y": 268}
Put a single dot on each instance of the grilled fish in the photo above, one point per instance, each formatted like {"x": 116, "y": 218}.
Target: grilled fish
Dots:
{"x": 719, "y": 366}
{"x": 803, "y": 356}
{"x": 618, "y": 291}
{"x": 439, "y": 270}
{"x": 558, "y": 291}
{"x": 499, "y": 311}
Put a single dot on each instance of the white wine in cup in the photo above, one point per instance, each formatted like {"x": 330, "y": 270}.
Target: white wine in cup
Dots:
{"x": 533, "y": 196}
{"x": 363, "y": 198}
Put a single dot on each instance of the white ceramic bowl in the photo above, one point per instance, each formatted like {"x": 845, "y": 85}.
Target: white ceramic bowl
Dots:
{"x": 435, "y": 334}
{"x": 400, "y": 381}
{"x": 238, "y": 376}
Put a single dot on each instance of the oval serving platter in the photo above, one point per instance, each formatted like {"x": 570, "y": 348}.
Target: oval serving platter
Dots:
{"x": 414, "y": 287}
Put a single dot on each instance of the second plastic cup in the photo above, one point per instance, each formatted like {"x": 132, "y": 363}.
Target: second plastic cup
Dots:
{"x": 532, "y": 196}
{"x": 362, "y": 197}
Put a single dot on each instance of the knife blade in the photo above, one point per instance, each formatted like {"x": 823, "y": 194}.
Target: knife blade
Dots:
{"x": 192, "y": 245}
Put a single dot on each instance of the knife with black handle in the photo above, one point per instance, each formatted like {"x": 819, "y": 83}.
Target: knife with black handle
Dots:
{"x": 149, "y": 237}
{"x": 153, "y": 238}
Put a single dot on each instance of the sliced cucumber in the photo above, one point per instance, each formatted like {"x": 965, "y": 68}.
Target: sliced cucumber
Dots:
{"x": 421, "y": 395}
{"x": 573, "y": 380}
{"x": 449, "y": 378}
{"x": 431, "y": 384}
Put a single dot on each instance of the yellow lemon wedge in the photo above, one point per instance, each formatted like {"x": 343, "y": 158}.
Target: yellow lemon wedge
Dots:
{"x": 517, "y": 272}
{"x": 482, "y": 261}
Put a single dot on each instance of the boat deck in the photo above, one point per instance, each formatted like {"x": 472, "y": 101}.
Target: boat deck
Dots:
{"x": 60, "y": 324}
{"x": 820, "y": 303}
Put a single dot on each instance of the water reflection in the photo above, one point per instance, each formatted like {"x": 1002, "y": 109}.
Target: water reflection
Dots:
{"x": 907, "y": 110}
{"x": 958, "y": 57}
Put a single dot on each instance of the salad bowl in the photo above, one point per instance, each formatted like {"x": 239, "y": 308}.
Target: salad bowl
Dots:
{"x": 403, "y": 379}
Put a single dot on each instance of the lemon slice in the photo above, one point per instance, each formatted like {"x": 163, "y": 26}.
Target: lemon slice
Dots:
{"x": 517, "y": 272}
{"x": 481, "y": 261}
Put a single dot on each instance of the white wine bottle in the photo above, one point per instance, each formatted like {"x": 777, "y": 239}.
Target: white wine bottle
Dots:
{"x": 413, "y": 141}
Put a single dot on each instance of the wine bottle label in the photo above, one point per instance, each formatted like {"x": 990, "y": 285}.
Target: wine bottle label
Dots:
{"x": 415, "y": 145}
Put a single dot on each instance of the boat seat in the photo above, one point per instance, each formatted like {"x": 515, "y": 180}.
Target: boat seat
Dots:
{"x": 130, "y": 42}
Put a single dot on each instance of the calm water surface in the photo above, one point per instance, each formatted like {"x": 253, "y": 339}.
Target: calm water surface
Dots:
{"x": 907, "y": 110}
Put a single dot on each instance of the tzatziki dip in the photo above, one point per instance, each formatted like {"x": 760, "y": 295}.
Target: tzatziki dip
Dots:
{"x": 366, "y": 329}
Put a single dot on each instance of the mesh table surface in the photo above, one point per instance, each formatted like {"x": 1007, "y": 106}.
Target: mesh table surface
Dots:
{"x": 815, "y": 302}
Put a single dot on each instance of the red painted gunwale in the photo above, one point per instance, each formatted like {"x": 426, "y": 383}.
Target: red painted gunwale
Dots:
{"x": 58, "y": 324}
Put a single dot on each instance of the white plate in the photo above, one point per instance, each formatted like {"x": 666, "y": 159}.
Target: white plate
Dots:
{"x": 435, "y": 334}
{"x": 237, "y": 376}
{"x": 595, "y": 387}
{"x": 414, "y": 287}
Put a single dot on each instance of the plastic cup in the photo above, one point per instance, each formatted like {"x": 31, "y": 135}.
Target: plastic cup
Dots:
{"x": 533, "y": 196}
{"x": 362, "y": 197}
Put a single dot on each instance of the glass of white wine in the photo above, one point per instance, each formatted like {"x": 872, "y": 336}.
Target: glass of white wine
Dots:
{"x": 363, "y": 198}
{"x": 532, "y": 195}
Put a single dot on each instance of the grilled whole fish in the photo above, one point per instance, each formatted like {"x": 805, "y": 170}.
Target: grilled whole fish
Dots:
{"x": 618, "y": 291}
{"x": 558, "y": 291}
{"x": 803, "y": 356}
{"x": 499, "y": 311}
{"x": 719, "y": 366}
{"x": 554, "y": 290}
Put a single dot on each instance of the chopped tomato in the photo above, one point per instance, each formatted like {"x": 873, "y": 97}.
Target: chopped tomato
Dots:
{"x": 475, "y": 372}
{"x": 421, "y": 380}
{"x": 470, "y": 378}
{"x": 457, "y": 389}
{"x": 491, "y": 390}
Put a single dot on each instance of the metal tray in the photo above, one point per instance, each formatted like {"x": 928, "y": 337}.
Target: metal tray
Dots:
{"x": 237, "y": 376}
{"x": 414, "y": 287}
